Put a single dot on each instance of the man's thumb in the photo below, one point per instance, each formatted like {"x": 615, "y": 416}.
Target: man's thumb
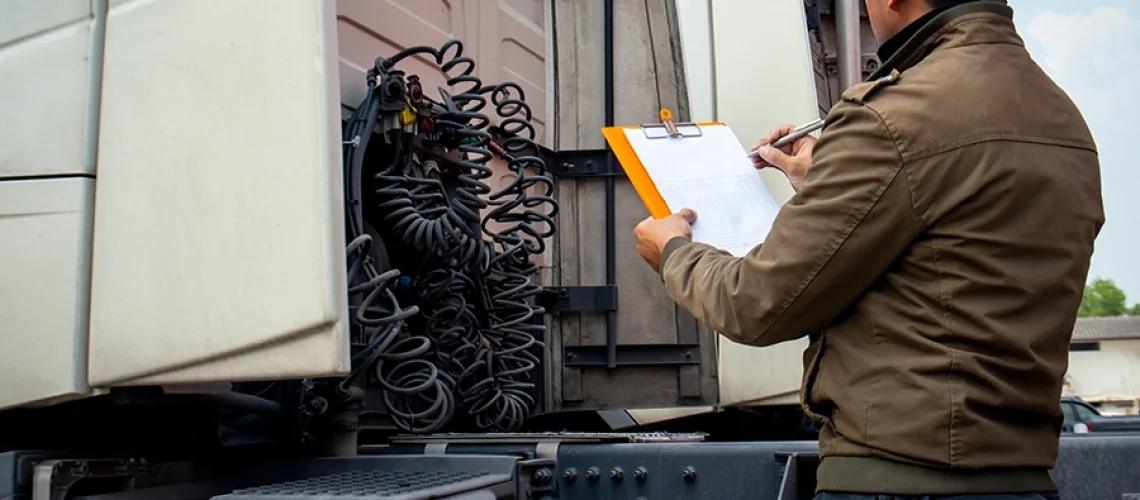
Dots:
{"x": 688, "y": 214}
{"x": 772, "y": 155}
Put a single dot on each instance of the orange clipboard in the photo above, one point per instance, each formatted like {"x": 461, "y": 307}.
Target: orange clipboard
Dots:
{"x": 635, "y": 170}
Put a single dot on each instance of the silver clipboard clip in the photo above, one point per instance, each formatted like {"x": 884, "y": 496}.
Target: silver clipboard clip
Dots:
{"x": 668, "y": 129}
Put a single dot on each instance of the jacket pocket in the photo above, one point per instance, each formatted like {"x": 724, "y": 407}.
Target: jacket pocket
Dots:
{"x": 813, "y": 355}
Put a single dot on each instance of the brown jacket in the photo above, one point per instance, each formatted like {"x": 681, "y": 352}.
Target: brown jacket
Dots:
{"x": 935, "y": 255}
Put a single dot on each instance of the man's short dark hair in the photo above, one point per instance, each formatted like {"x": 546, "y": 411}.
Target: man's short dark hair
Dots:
{"x": 938, "y": 4}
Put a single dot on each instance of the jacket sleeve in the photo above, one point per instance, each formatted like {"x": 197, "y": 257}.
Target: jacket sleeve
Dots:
{"x": 851, "y": 219}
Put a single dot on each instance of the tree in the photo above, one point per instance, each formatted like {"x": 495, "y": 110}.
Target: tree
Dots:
{"x": 1103, "y": 298}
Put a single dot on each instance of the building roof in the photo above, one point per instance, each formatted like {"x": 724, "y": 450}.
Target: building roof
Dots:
{"x": 1098, "y": 329}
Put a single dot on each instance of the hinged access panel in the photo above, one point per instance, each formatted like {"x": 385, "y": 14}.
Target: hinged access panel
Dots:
{"x": 618, "y": 62}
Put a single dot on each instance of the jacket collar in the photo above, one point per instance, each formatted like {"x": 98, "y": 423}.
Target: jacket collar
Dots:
{"x": 951, "y": 27}
{"x": 894, "y": 43}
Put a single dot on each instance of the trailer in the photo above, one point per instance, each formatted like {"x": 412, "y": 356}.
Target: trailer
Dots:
{"x": 375, "y": 249}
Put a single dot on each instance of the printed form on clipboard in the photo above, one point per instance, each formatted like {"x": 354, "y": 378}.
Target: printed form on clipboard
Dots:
{"x": 702, "y": 167}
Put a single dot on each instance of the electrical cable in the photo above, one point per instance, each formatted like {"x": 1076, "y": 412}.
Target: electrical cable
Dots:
{"x": 380, "y": 336}
{"x": 454, "y": 330}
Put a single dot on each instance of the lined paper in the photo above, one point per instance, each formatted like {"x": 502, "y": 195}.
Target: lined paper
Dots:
{"x": 712, "y": 175}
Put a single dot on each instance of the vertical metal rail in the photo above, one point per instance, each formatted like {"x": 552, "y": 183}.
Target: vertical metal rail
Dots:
{"x": 849, "y": 52}
{"x": 611, "y": 271}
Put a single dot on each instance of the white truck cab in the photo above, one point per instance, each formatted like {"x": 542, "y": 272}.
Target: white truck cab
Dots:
{"x": 171, "y": 196}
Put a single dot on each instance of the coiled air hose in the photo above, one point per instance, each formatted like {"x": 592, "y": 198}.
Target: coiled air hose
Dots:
{"x": 451, "y": 335}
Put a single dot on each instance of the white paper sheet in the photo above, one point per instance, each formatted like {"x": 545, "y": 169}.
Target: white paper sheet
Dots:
{"x": 712, "y": 175}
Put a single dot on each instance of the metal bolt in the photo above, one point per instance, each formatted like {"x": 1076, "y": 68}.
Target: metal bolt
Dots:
{"x": 570, "y": 474}
{"x": 641, "y": 473}
{"x": 319, "y": 405}
{"x": 543, "y": 476}
{"x": 617, "y": 474}
{"x": 593, "y": 474}
{"x": 690, "y": 473}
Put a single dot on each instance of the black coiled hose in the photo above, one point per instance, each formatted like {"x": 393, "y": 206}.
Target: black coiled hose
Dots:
{"x": 470, "y": 350}
{"x": 381, "y": 340}
{"x": 524, "y": 211}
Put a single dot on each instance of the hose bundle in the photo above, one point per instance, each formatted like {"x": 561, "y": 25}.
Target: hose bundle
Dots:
{"x": 451, "y": 333}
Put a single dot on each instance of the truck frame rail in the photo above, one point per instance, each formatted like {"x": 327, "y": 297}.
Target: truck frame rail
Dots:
{"x": 545, "y": 467}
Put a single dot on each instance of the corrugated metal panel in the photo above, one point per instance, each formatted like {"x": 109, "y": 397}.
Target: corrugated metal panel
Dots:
{"x": 507, "y": 39}
{"x": 512, "y": 47}
{"x": 367, "y": 29}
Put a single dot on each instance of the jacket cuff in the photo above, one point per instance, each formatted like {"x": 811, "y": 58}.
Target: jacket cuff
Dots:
{"x": 670, "y": 247}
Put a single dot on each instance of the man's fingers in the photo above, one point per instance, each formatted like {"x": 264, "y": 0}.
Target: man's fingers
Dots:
{"x": 774, "y": 136}
{"x": 806, "y": 143}
{"x": 688, "y": 214}
{"x": 773, "y": 156}
{"x": 780, "y": 131}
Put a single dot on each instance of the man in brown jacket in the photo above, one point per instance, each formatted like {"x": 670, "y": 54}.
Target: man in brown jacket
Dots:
{"x": 935, "y": 255}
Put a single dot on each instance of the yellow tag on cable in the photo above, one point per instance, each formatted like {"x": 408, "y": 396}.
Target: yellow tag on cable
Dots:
{"x": 407, "y": 115}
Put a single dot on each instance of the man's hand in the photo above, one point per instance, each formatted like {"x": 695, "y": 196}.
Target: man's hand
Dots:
{"x": 793, "y": 159}
{"x": 652, "y": 234}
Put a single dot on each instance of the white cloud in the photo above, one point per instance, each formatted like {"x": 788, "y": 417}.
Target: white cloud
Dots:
{"x": 1094, "y": 55}
{"x": 1077, "y": 42}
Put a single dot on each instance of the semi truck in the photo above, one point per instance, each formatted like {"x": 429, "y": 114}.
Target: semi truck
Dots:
{"x": 379, "y": 249}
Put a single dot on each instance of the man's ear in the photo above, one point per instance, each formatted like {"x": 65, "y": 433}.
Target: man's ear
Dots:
{"x": 896, "y": 5}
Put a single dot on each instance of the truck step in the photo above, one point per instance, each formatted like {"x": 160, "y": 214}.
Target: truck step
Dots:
{"x": 370, "y": 485}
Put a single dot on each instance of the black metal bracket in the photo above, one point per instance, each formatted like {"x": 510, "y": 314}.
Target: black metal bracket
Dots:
{"x": 634, "y": 355}
{"x": 568, "y": 162}
{"x": 579, "y": 298}
{"x": 582, "y": 163}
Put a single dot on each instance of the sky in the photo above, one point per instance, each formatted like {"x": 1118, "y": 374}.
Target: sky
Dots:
{"x": 1091, "y": 48}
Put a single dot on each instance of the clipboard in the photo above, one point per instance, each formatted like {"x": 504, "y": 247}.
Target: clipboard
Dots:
{"x": 635, "y": 171}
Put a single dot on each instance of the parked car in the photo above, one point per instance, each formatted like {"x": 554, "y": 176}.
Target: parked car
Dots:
{"x": 1082, "y": 417}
